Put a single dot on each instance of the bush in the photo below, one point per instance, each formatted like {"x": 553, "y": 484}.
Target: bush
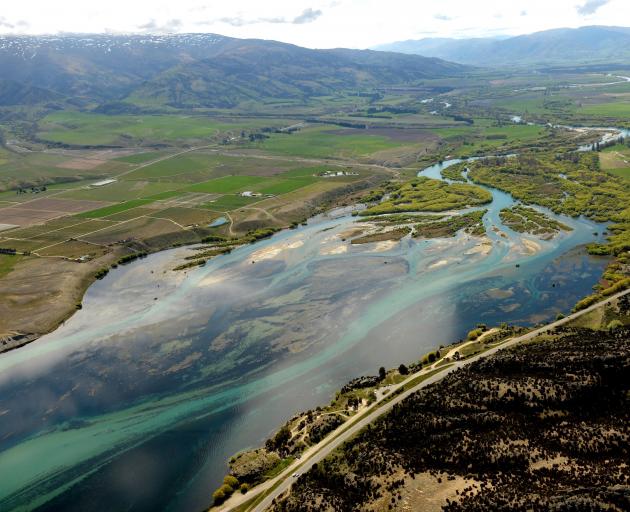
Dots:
{"x": 599, "y": 249}
{"x": 218, "y": 497}
{"x": 278, "y": 441}
{"x": 213, "y": 238}
{"x": 244, "y": 488}
{"x": 100, "y": 274}
{"x": 474, "y": 334}
{"x": 222, "y": 494}
{"x": 231, "y": 481}
{"x": 403, "y": 370}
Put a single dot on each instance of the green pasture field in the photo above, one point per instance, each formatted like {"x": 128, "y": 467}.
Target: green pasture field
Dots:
{"x": 230, "y": 202}
{"x": 165, "y": 195}
{"x": 131, "y": 213}
{"x": 226, "y": 184}
{"x": 176, "y": 167}
{"x": 83, "y": 128}
{"x": 115, "y": 208}
{"x": 8, "y": 262}
{"x": 36, "y": 168}
{"x": 141, "y": 158}
{"x": 616, "y": 109}
{"x": 523, "y": 105}
{"x": 320, "y": 142}
{"x": 484, "y": 137}
{"x": 123, "y": 191}
{"x": 283, "y": 186}
{"x": 200, "y": 166}
{"x": 616, "y": 160}
{"x": 623, "y": 172}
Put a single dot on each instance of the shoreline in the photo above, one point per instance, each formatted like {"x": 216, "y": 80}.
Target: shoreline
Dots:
{"x": 82, "y": 282}
{"x": 260, "y": 496}
{"x": 68, "y": 298}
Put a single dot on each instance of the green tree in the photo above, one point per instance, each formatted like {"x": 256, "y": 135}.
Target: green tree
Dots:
{"x": 278, "y": 441}
{"x": 403, "y": 370}
{"x": 230, "y": 480}
{"x": 218, "y": 497}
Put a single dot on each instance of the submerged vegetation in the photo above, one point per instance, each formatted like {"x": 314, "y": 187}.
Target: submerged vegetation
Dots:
{"x": 528, "y": 220}
{"x": 220, "y": 245}
{"x": 392, "y": 234}
{"x": 471, "y": 223}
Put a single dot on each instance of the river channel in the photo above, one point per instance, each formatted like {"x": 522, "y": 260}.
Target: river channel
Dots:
{"x": 137, "y": 401}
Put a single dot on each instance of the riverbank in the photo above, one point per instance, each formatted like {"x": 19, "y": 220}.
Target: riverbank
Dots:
{"x": 261, "y": 497}
{"x": 301, "y": 435}
{"x": 234, "y": 347}
{"x": 224, "y": 356}
{"x": 41, "y": 293}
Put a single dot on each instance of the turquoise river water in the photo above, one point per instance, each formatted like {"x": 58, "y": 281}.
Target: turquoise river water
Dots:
{"x": 137, "y": 401}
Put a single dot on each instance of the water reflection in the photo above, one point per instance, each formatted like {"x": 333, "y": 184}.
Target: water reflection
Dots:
{"x": 139, "y": 399}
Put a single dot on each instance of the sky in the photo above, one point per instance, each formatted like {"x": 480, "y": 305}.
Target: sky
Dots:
{"x": 311, "y": 23}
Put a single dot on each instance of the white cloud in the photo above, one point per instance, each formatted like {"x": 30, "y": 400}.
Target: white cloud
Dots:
{"x": 168, "y": 27}
{"x": 308, "y": 15}
{"x": 591, "y": 6}
{"x": 313, "y": 23}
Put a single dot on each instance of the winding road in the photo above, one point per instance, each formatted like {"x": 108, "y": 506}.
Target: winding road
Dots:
{"x": 280, "y": 484}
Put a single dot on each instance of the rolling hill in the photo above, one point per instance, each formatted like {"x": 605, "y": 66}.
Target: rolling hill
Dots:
{"x": 585, "y": 45}
{"x": 193, "y": 70}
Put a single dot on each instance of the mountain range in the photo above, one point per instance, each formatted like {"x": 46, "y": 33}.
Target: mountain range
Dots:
{"x": 193, "y": 70}
{"x": 585, "y": 45}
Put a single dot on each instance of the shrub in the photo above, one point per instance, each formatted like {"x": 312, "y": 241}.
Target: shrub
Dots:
{"x": 218, "y": 497}
{"x": 231, "y": 481}
{"x": 222, "y": 494}
{"x": 100, "y": 274}
{"x": 474, "y": 334}
{"x": 281, "y": 438}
